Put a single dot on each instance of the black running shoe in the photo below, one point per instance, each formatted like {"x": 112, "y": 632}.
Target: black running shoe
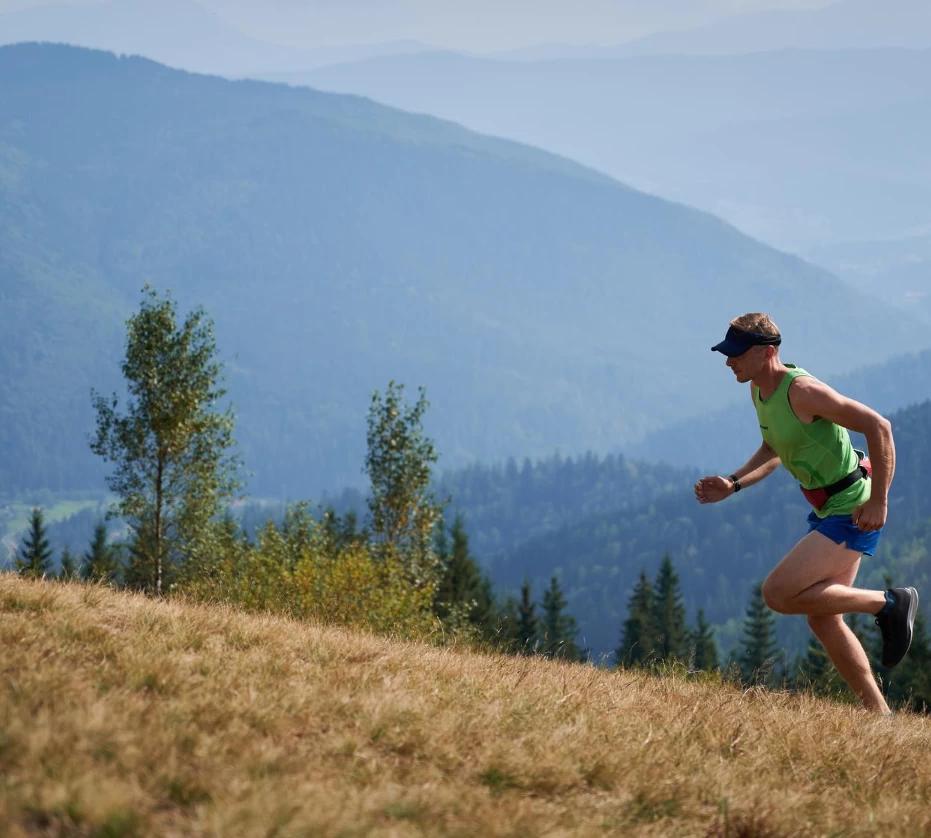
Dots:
{"x": 896, "y": 625}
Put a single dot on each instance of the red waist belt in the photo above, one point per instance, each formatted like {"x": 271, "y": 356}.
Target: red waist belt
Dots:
{"x": 819, "y": 497}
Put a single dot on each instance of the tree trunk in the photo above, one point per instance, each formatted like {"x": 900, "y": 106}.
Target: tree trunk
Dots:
{"x": 158, "y": 527}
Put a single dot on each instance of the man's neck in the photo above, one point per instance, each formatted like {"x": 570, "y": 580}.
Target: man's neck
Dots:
{"x": 770, "y": 378}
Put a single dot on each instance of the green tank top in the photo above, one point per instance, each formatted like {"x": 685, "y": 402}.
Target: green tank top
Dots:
{"x": 816, "y": 455}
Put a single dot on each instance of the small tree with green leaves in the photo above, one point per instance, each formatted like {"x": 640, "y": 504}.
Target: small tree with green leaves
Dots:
{"x": 171, "y": 449}
{"x": 34, "y": 557}
{"x": 669, "y": 614}
{"x": 100, "y": 563}
{"x": 403, "y": 511}
{"x": 704, "y": 649}
{"x": 557, "y": 626}
{"x": 638, "y": 638}
{"x": 758, "y": 651}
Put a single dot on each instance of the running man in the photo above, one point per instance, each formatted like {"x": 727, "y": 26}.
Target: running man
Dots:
{"x": 804, "y": 424}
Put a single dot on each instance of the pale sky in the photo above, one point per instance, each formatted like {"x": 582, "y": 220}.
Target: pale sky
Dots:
{"x": 463, "y": 24}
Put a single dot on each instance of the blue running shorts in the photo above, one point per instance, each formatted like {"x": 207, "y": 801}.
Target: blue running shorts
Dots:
{"x": 841, "y": 529}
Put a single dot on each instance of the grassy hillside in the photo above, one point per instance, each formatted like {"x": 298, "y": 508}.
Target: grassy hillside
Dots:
{"x": 339, "y": 244}
{"x": 125, "y": 716}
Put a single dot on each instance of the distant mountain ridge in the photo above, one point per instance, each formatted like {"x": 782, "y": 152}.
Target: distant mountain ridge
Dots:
{"x": 180, "y": 33}
{"x": 338, "y": 245}
{"x": 796, "y": 147}
{"x": 841, "y": 25}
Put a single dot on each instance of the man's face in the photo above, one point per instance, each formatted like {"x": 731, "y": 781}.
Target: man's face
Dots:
{"x": 747, "y": 366}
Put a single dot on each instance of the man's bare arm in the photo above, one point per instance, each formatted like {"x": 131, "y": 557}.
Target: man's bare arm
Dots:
{"x": 811, "y": 399}
{"x": 715, "y": 488}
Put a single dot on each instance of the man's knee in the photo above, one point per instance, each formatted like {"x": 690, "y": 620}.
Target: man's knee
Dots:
{"x": 776, "y": 597}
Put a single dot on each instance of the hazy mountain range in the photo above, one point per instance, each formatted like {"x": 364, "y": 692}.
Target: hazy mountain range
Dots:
{"x": 180, "y": 33}
{"x": 848, "y": 23}
{"x": 841, "y": 25}
{"x": 340, "y": 244}
{"x": 193, "y": 36}
{"x": 799, "y": 148}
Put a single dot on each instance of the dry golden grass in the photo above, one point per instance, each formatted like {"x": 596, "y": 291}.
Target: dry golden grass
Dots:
{"x": 122, "y": 716}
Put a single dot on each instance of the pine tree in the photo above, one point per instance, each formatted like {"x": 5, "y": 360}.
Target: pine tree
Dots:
{"x": 99, "y": 562}
{"x": 485, "y": 614}
{"x": 704, "y": 649}
{"x": 669, "y": 614}
{"x": 34, "y": 559}
{"x": 69, "y": 566}
{"x": 815, "y": 672}
{"x": 855, "y": 624}
{"x": 558, "y": 627}
{"x": 759, "y": 641}
{"x": 508, "y": 625}
{"x": 460, "y": 583}
{"x": 528, "y": 630}
{"x": 441, "y": 541}
{"x": 330, "y": 530}
{"x": 638, "y": 642}
{"x": 349, "y": 531}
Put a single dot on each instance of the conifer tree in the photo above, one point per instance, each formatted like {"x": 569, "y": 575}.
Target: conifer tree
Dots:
{"x": 330, "y": 530}
{"x": 441, "y": 541}
{"x": 528, "y": 627}
{"x": 34, "y": 558}
{"x": 815, "y": 672}
{"x": 855, "y": 624}
{"x": 459, "y": 587}
{"x": 349, "y": 531}
{"x": 704, "y": 649}
{"x": 69, "y": 566}
{"x": 507, "y": 628}
{"x": 485, "y": 614}
{"x": 638, "y": 641}
{"x": 558, "y": 627}
{"x": 759, "y": 641}
{"x": 669, "y": 614}
{"x": 99, "y": 562}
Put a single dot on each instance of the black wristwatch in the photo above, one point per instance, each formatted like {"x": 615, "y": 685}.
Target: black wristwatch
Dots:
{"x": 736, "y": 481}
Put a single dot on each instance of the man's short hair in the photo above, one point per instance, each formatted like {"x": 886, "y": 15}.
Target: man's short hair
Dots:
{"x": 756, "y": 323}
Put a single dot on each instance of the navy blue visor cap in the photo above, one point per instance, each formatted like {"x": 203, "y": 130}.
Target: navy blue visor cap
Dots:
{"x": 737, "y": 341}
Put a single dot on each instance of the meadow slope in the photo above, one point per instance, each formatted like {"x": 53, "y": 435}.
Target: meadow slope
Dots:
{"x": 121, "y": 715}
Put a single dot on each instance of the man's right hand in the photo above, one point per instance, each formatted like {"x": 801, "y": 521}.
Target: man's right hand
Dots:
{"x": 713, "y": 489}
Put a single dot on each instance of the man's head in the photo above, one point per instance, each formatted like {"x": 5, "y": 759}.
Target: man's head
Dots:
{"x": 751, "y": 343}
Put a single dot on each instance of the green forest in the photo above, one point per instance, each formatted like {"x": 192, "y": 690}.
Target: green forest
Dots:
{"x": 339, "y": 244}
{"x": 470, "y": 529}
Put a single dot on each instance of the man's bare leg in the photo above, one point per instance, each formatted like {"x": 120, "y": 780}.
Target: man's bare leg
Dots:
{"x": 806, "y": 581}
{"x": 850, "y": 659}
{"x": 816, "y": 579}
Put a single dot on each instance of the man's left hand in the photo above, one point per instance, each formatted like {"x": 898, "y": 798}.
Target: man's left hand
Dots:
{"x": 870, "y": 516}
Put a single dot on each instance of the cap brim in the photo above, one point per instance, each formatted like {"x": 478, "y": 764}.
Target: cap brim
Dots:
{"x": 730, "y": 348}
